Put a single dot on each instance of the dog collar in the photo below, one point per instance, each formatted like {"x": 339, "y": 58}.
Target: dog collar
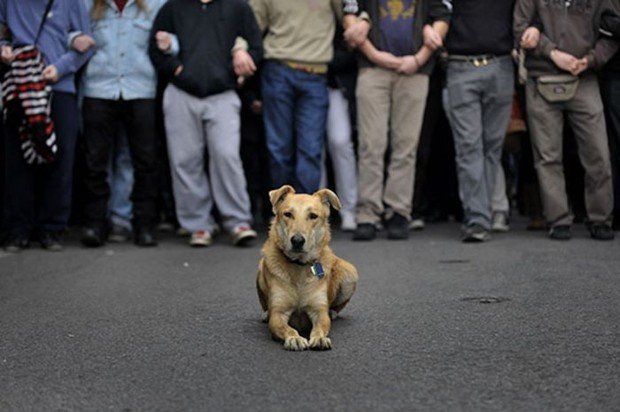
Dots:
{"x": 316, "y": 268}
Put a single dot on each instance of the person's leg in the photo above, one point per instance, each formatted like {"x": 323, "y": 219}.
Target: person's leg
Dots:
{"x": 408, "y": 103}
{"x": 374, "y": 94}
{"x": 57, "y": 178}
{"x": 141, "y": 127}
{"x": 222, "y": 123}
{"x": 610, "y": 91}
{"x": 342, "y": 153}
{"x": 278, "y": 110}
{"x": 100, "y": 119}
{"x": 585, "y": 115}
{"x": 121, "y": 180}
{"x": 310, "y": 123}
{"x": 186, "y": 149}
{"x": 464, "y": 111}
{"x": 546, "y": 122}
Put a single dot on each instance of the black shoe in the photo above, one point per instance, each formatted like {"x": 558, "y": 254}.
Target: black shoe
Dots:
{"x": 397, "y": 227}
{"x": 145, "y": 238}
{"x": 601, "y": 231}
{"x": 16, "y": 244}
{"x": 475, "y": 233}
{"x": 560, "y": 232}
{"x": 50, "y": 241}
{"x": 365, "y": 231}
{"x": 92, "y": 237}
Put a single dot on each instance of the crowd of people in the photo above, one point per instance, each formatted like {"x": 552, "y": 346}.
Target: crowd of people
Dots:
{"x": 131, "y": 116}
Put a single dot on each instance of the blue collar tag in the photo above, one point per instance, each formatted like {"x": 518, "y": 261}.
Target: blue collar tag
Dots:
{"x": 317, "y": 270}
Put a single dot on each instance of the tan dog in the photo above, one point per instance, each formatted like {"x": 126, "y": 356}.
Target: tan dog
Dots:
{"x": 300, "y": 281}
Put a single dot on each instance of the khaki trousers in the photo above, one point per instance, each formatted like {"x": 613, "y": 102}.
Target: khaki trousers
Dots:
{"x": 390, "y": 109}
{"x": 585, "y": 116}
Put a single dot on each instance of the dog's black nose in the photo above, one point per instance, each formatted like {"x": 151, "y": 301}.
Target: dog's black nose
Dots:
{"x": 298, "y": 241}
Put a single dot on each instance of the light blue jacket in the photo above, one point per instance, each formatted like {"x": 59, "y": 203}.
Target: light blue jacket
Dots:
{"x": 121, "y": 67}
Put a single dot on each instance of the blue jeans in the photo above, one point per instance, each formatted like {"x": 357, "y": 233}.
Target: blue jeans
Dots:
{"x": 295, "y": 107}
{"x": 120, "y": 179}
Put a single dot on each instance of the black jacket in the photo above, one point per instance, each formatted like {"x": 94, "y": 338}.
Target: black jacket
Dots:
{"x": 610, "y": 25}
{"x": 206, "y": 34}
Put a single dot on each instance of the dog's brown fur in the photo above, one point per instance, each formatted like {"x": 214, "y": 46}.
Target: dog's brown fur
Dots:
{"x": 288, "y": 291}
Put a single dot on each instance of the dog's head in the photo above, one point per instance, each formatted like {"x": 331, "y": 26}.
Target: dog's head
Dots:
{"x": 301, "y": 224}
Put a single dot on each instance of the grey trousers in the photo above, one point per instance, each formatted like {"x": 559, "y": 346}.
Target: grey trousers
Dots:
{"x": 585, "y": 116}
{"x": 478, "y": 102}
{"x": 195, "y": 126}
{"x": 390, "y": 110}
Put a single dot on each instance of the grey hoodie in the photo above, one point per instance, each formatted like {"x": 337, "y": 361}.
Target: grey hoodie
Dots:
{"x": 571, "y": 26}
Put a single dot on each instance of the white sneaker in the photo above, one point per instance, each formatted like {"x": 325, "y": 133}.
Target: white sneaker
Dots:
{"x": 201, "y": 238}
{"x": 243, "y": 235}
{"x": 348, "y": 223}
{"x": 500, "y": 222}
{"x": 416, "y": 224}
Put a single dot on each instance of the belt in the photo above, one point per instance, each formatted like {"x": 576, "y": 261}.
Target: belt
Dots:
{"x": 307, "y": 67}
{"x": 478, "y": 61}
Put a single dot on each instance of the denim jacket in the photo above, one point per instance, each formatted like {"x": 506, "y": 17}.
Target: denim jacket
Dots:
{"x": 121, "y": 67}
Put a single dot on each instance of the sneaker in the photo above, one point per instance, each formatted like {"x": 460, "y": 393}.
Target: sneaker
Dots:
{"x": 92, "y": 237}
{"x": 201, "y": 238}
{"x": 601, "y": 231}
{"x": 348, "y": 223}
{"x": 560, "y": 232}
{"x": 417, "y": 224}
{"x": 475, "y": 233}
{"x": 243, "y": 235}
{"x": 119, "y": 234}
{"x": 50, "y": 241}
{"x": 397, "y": 227}
{"x": 499, "y": 223}
{"x": 365, "y": 231}
{"x": 16, "y": 244}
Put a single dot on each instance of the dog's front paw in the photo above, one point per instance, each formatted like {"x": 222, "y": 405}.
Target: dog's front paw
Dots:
{"x": 320, "y": 343}
{"x": 297, "y": 343}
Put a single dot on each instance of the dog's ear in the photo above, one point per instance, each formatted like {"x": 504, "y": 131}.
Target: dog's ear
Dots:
{"x": 329, "y": 198}
{"x": 277, "y": 196}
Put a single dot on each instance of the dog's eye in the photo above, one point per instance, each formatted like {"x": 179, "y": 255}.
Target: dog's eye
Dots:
{"x": 288, "y": 215}
{"x": 313, "y": 216}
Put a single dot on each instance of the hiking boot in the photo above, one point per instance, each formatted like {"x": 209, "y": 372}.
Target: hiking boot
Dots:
{"x": 475, "y": 233}
{"x": 365, "y": 231}
{"x": 397, "y": 227}
{"x": 560, "y": 232}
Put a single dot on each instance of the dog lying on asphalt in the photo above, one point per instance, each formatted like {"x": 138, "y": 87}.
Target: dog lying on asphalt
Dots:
{"x": 301, "y": 284}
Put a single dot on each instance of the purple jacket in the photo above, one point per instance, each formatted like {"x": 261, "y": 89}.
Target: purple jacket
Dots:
{"x": 23, "y": 17}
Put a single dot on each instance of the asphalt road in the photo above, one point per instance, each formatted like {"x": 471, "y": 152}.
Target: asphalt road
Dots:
{"x": 174, "y": 328}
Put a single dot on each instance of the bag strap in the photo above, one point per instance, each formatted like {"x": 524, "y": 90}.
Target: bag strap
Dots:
{"x": 48, "y": 7}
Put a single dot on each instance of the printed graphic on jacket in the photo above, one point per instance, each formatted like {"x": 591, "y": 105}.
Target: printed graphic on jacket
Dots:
{"x": 396, "y": 26}
{"x": 27, "y": 99}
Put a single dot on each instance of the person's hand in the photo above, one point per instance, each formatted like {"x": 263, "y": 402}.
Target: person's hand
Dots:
{"x": 409, "y": 65}
{"x": 83, "y": 43}
{"x": 164, "y": 41}
{"x": 178, "y": 70}
{"x": 6, "y": 54}
{"x": 579, "y": 67}
{"x": 243, "y": 64}
{"x": 256, "y": 107}
{"x": 357, "y": 33}
{"x": 564, "y": 61}
{"x": 386, "y": 60}
{"x": 530, "y": 38}
{"x": 50, "y": 74}
{"x": 432, "y": 39}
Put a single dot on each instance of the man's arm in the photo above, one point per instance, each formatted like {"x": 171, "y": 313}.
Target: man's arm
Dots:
{"x": 251, "y": 32}
{"x": 605, "y": 47}
{"x": 164, "y": 61}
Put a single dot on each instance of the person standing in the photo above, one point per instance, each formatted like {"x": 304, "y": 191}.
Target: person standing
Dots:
{"x": 391, "y": 96}
{"x": 570, "y": 46}
{"x": 38, "y": 196}
{"x": 298, "y": 48}
{"x": 119, "y": 95}
{"x": 201, "y": 110}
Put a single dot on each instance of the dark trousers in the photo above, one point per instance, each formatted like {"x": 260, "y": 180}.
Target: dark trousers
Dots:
{"x": 610, "y": 90}
{"x": 102, "y": 120}
{"x": 38, "y": 198}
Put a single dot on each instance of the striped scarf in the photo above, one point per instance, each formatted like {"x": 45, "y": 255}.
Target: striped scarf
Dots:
{"x": 26, "y": 99}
